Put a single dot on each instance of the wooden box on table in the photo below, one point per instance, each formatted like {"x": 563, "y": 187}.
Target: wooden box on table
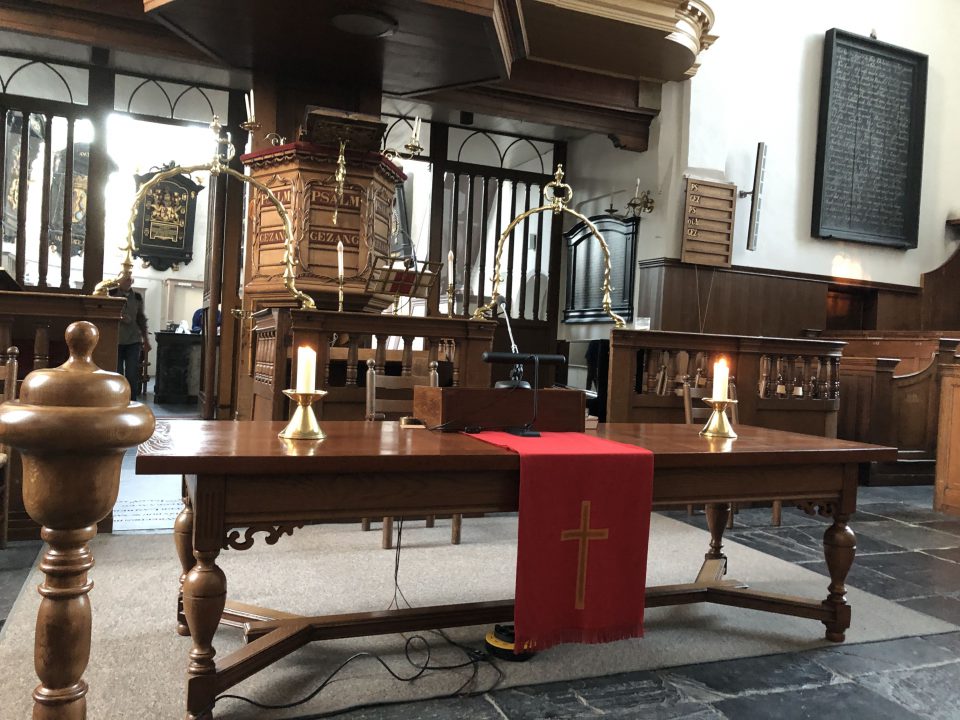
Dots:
{"x": 455, "y": 408}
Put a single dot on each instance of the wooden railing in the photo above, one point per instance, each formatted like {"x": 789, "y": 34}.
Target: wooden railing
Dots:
{"x": 344, "y": 341}
{"x": 782, "y": 383}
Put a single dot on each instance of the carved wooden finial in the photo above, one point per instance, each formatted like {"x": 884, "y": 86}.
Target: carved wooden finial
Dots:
{"x": 82, "y": 337}
{"x": 71, "y": 426}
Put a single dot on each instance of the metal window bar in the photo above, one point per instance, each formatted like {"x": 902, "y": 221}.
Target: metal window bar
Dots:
{"x": 524, "y": 252}
{"x": 20, "y": 261}
{"x": 455, "y": 229}
{"x": 539, "y": 258}
{"x": 66, "y": 239}
{"x": 467, "y": 248}
{"x": 483, "y": 239}
{"x": 43, "y": 252}
{"x": 510, "y": 256}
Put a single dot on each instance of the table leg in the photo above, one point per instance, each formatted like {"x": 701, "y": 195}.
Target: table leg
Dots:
{"x": 715, "y": 562}
{"x": 204, "y": 596}
{"x": 183, "y": 539}
{"x": 839, "y": 548}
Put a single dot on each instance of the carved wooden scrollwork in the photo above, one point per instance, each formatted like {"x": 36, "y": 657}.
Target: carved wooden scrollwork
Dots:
{"x": 274, "y": 533}
{"x": 823, "y": 508}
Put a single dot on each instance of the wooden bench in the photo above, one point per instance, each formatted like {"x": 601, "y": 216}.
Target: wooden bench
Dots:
{"x": 893, "y": 399}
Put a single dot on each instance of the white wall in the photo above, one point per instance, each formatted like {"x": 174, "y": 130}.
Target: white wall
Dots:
{"x": 761, "y": 81}
{"x": 137, "y": 147}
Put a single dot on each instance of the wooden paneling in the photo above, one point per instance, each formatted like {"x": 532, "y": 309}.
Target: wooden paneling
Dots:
{"x": 941, "y": 296}
{"x": 947, "y": 484}
{"x": 735, "y": 301}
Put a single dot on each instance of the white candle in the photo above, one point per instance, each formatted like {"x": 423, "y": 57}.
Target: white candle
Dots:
{"x": 306, "y": 369}
{"x": 637, "y": 191}
{"x": 340, "y": 259}
{"x": 253, "y": 109}
{"x": 416, "y": 129}
{"x": 246, "y": 101}
{"x": 450, "y": 267}
{"x": 721, "y": 377}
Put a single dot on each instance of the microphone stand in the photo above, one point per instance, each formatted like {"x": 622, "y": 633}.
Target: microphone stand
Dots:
{"x": 527, "y": 430}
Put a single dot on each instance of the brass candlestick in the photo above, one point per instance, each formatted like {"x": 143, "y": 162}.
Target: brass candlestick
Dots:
{"x": 450, "y": 300}
{"x": 303, "y": 425}
{"x": 340, "y": 295}
{"x": 718, "y": 426}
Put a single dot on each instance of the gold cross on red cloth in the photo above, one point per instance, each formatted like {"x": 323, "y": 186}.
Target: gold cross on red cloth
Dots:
{"x": 584, "y": 534}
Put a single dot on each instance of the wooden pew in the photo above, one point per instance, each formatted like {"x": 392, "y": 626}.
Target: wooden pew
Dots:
{"x": 895, "y": 400}
{"x": 343, "y": 340}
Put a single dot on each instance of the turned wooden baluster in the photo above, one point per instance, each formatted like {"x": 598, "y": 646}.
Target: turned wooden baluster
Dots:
{"x": 456, "y": 357}
{"x": 352, "y": 356}
{"x": 380, "y": 354}
{"x": 41, "y": 346}
{"x": 407, "y": 362}
{"x": 71, "y": 425}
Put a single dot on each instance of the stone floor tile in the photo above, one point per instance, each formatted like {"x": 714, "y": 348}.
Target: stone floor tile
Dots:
{"x": 939, "y": 606}
{"x": 937, "y": 576}
{"x": 874, "y": 581}
{"x": 734, "y": 677}
{"x": 929, "y": 692}
{"x": 951, "y": 554}
{"x": 852, "y": 661}
{"x": 847, "y": 700}
{"x": 909, "y": 537}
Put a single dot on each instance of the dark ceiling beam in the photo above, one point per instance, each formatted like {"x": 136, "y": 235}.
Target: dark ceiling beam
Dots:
{"x": 621, "y": 108}
{"x": 100, "y": 24}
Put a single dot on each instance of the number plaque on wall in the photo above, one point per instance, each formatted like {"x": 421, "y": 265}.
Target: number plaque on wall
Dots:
{"x": 707, "y": 232}
{"x": 869, "y": 142}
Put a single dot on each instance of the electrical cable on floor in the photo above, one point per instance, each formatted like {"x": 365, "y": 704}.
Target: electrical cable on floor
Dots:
{"x": 474, "y": 658}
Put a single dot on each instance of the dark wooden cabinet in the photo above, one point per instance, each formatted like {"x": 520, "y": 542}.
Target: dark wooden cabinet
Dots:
{"x": 178, "y": 368}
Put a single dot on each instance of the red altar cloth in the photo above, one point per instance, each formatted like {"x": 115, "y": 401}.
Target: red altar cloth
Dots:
{"x": 582, "y": 540}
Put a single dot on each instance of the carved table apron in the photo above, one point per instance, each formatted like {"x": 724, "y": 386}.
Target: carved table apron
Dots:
{"x": 241, "y": 480}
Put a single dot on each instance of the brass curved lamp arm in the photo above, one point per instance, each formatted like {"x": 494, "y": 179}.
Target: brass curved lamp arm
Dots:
{"x": 215, "y": 167}
{"x": 561, "y": 195}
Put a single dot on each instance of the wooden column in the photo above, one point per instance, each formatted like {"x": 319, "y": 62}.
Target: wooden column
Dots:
{"x": 71, "y": 426}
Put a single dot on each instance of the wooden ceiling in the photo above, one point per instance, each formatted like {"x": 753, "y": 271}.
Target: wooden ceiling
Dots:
{"x": 593, "y": 65}
{"x": 436, "y": 44}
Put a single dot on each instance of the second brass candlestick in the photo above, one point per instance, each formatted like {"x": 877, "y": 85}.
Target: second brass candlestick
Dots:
{"x": 450, "y": 300}
{"x": 340, "y": 296}
{"x": 303, "y": 425}
{"x": 718, "y": 425}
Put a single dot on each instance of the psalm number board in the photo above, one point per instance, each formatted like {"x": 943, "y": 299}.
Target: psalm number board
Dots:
{"x": 708, "y": 214}
{"x": 869, "y": 142}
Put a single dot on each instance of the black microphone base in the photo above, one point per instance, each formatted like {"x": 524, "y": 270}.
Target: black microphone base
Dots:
{"x": 523, "y": 431}
{"x": 512, "y": 384}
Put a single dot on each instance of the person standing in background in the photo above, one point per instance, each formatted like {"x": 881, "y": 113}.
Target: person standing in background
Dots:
{"x": 133, "y": 337}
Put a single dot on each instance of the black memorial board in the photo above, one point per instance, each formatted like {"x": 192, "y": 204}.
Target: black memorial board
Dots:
{"x": 869, "y": 142}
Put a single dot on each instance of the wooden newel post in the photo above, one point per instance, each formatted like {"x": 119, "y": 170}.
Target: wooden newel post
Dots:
{"x": 71, "y": 427}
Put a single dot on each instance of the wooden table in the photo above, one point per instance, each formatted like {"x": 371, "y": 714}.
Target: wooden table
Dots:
{"x": 241, "y": 479}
